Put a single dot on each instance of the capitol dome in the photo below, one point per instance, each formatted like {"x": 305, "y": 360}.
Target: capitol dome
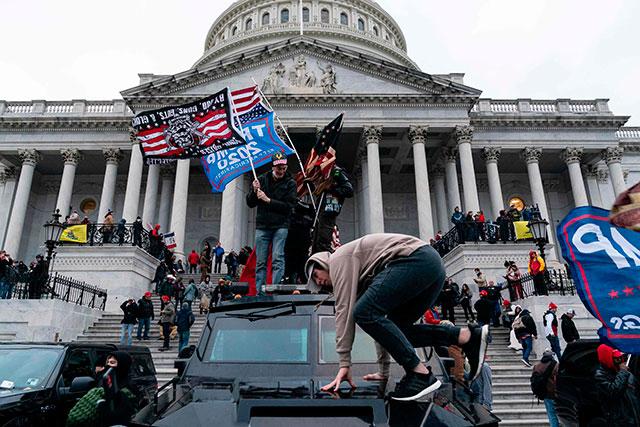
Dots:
{"x": 360, "y": 25}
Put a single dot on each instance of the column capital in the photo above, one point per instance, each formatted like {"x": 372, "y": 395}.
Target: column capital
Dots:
{"x": 282, "y": 132}
{"x": 133, "y": 136}
{"x": 450, "y": 154}
{"x": 3, "y": 178}
{"x": 10, "y": 172}
{"x": 372, "y": 134}
{"x": 167, "y": 171}
{"x": 532, "y": 154}
{"x": 418, "y": 134}
{"x": 438, "y": 171}
{"x": 612, "y": 155}
{"x": 29, "y": 156}
{"x": 572, "y": 155}
{"x": 112, "y": 155}
{"x": 71, "y": 156}
{"x": 463, "y": 134}
{"x": 603, "y": 176}
{"x": 491, "y": 154}
{"x": 591, "y": 171}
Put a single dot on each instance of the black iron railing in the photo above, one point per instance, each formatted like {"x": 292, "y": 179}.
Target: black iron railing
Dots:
{"x": 115, "y": 234}
{"x": 557, "y": 282}
{"x": 58, "y": 287}
{"x": 474, "y": 232}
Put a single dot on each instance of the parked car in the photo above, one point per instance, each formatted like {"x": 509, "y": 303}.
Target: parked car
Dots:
{"x": 261, "y": 362}
{"x": 40, "y": 382}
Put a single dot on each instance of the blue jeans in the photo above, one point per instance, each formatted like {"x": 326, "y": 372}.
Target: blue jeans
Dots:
{"x": 551, "y": 413}
{"x": 183, "y": 340}
{"x": 126, "y": 328}
{"x": 144, "y": 322}
{"x": 527, "y": 346}
{"x": 397, "y": 297}
{"x": 276, "y": 238}
{"x": 5, "y": 290}
{"x": 555, "y": 345}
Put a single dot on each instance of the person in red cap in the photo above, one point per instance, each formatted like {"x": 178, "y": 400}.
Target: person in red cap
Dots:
{"x": 550, "y": 322}
{"x": 484, "y": 308}
{"x": 145, "y": 316}
{"x": 167, "y": 318}
{"x": 617, "y": 389}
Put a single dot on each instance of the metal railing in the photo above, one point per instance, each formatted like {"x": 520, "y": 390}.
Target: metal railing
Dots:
{"x": 115, "y": 234}
{"x": 557, "y": 282}
{"x": 473, "y": 232}
{"x": 58, "y": 287}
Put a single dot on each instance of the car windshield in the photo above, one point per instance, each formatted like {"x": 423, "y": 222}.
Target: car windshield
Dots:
{"x": 276, "y": 340}
{"x": 363, "y": 350}
{"x": 22, "y": 368}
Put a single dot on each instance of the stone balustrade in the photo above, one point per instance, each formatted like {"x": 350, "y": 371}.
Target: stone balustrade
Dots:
{"x": 629, "y": 133}
{"x": 529, "y": 106}
{"x": 63, "y": 108}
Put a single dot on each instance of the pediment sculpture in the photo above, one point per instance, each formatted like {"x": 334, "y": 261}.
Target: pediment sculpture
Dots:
{"x": 302, "y": 79}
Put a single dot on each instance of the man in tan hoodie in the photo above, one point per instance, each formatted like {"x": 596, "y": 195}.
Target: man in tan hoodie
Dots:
{"x": 384, "y": 283}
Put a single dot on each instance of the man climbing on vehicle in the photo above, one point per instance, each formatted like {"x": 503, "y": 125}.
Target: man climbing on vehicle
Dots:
{"x": 385, "y": 283}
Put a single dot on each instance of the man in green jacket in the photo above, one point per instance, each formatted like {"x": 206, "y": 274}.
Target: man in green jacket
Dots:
{"x": 384, "y": 283}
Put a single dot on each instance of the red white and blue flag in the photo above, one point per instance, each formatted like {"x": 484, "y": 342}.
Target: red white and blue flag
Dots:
{"x": 191, "y": 130}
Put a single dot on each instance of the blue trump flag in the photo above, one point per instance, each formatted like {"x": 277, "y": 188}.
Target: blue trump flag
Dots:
{"x": 263, "y": 141}
{"x": 605, "y": 266}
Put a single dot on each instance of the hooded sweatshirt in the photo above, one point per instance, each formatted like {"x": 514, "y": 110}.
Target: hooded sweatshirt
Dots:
{"x": 617, "y": 391}
{"x": 351, "y": 267}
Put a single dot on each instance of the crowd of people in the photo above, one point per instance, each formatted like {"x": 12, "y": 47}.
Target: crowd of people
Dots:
{"x": 33, "y": 277}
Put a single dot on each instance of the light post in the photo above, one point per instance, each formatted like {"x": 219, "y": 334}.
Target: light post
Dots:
{"x": 538, "y": 228}
{"x": 52, "y": 230}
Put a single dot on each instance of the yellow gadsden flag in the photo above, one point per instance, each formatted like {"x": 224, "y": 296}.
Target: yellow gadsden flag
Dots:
{"x": 74, "y": 234}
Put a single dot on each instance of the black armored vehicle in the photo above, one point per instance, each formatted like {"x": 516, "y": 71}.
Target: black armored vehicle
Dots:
{"x": 262, "y": 362}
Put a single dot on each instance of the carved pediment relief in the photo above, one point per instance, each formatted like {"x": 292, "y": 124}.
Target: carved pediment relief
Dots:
{"x": 301, "y": 77}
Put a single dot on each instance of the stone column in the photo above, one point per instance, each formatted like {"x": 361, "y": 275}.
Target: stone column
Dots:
{"x": 134, "y": 179}
{"x": 372, "y": 137}
{"x": 453, "y": 189}
{"x": 364, "y": 190}
{"x": 231, "y": 224}
{"x": 491, "y": 155}
{"x": 464, "y": 136}
{"x": 418, "y": 137}
{"x": 179, "y": 209}
{"x": 532, "y": 156}
{"x": 572, "y": 157}
{"x": 613, "y": 157}
{"x": 441, "y": 199}
{"x": 591, "y": 172}
{"x": 112, "y": 157}
{"x": 8, "y": 177}
{"x": 29, "y": 158}
{"x": 151, "y": 195}
{"x": 168, "y": 174}
{"x": 71, "y": 158}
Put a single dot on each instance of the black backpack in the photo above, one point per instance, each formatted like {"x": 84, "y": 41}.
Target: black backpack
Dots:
{"x": 539, "y": 381}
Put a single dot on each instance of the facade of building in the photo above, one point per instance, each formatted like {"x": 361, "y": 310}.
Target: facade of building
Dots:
{"x": 416, "y": 145}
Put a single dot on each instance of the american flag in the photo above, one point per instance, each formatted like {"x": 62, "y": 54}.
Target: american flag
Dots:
{"x": 190, "y": 130}
{"x": 321, "y": 159}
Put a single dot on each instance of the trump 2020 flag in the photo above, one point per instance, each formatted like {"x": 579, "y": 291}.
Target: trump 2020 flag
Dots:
{"x": 257, "y": 122}
{"x": 188, "y": 131}
{"x": 605, "y": 265}
{"x": 170, "y": 240}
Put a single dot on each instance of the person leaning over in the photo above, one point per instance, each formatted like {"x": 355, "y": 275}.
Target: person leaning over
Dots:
{"x": 384, "y": 283}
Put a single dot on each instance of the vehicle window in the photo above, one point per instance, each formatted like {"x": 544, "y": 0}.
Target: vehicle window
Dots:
{"x": 281, "y": 339}
{"x": 28, "y": 367}
{"x": 142, "y": 365}
{"x": 363, "y": 351}
{"x": 78, "y": 364}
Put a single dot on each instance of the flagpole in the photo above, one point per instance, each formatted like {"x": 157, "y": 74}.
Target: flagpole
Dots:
{"x": 235, "y": 112}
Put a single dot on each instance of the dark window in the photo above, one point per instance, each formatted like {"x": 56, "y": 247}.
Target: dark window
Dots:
{"x": 361, "y": 24}
{"x": 284, "y": 16}
{"x": 266, "y": 18}
{"x": 344, "y": 19}
{"x": 375, "y": 31}
{"x": 363, "y": 350}
{"x": 324, "y": 16}
{"x": 78, "y": 365}
{"x": 248, "y": 25}
{"x": 234, "y": 31}
{"x": 305, "y": 14}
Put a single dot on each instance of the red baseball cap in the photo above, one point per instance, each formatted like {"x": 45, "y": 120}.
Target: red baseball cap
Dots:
{"x": 147, "y": 294}
{"x": 484, "y": 293}
{"x": 165, "y": 298}
{"x": 506, "y": 302}
{"x": 552, "y": 306}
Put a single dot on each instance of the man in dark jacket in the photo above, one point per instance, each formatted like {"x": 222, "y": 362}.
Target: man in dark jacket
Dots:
{"x": 274, "y": 194}
{"x": 38, "y": 277}
{"x": 145, "y": 315}
{"x": 569, "y": 331}
{"x": 137, "y": 232}
{"x": 484, "y": 309}
{"x": 184, "y": 320}
{"x": 130, "y": 310}
{"x": 618, "y": 389}
{"x": 332, "y": 202}
{"x": 449, "y": 299}
{"x": 525, "y": 329}
{"x": 543, "y": 384}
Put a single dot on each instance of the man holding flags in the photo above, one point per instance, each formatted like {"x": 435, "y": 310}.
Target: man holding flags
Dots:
{"x": 274, "y": 194}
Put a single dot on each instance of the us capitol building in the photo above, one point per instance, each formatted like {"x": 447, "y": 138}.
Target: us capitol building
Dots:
{"x": 415, "y": 144}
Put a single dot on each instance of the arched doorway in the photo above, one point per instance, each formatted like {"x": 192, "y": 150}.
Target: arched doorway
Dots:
{"x": 212, "y": 240}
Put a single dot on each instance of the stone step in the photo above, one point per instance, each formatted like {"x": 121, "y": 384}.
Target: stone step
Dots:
{"x": 520, "y": 386}
{"x": 528, "y": 422}
{"x": 521, "y": 404}
{"x": 520, "y": 413}
{"x": 512, "y": 394}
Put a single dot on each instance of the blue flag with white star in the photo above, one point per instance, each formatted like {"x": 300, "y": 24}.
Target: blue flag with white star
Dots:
{"x": 263, "y": 142}
{"x": 605, "y": 266}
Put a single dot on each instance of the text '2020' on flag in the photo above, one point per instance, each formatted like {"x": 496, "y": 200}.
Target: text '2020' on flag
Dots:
{"x": 257, "y": 122}
{"x": 188, "y": 131}
{"x": 605, "y": 266}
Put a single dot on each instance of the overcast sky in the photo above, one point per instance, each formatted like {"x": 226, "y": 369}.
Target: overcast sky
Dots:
{"x": 541, "y": 49}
